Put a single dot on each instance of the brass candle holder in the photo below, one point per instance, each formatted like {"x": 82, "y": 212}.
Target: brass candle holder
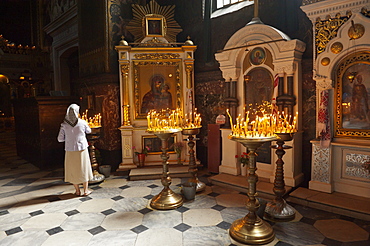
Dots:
{"x": 252, "y": 229}
{"x": 193, "y": 170}
{"x": 93, "y": 137}
{"x": 278, "y": 209}
{"x": 166, "y": 199}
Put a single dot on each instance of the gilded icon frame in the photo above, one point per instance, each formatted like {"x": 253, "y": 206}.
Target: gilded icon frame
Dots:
{"x": 348, "y": 121}
{"x": 154, "y": 27}
{"x": 144, "y": 72}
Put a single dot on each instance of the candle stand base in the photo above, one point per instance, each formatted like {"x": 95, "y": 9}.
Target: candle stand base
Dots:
{"x": 97, "y": 178}
{"x": 260, "y": 232}
{"x": 279, "y": 212}
{"x": 200, "y": 186}
{"x": 166, "y": 199}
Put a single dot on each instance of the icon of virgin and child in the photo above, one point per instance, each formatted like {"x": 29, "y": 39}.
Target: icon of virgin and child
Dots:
{"x": 159, "y": 97}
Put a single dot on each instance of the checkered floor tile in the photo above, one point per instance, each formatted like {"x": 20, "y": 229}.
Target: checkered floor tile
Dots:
{"x": 39, "y": 208}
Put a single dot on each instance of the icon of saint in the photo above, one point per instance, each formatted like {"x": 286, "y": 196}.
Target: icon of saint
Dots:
{"x": 359, "y": 106}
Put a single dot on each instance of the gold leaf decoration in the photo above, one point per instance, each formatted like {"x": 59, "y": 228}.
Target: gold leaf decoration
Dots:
{"x": 326, "y": 30}
{"x": 365, "y": 12}
{"x": 336, "y": 48}
{"x": 137, "y": 24}
{"x": 325, "y": 61}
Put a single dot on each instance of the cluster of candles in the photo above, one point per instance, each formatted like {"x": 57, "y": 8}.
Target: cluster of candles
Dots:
{"x": 92, "y": 121}
{"x": 194, "y": 121}
{"x": 285, "y": 123}
{"x": 169, "y": 120}
{"x": 262, "y": 124}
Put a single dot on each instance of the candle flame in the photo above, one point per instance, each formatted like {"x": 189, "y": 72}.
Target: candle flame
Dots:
{"x": 93, "y": 122}
{"x": 261, "y": 123}
{"x": 168, "y": 120}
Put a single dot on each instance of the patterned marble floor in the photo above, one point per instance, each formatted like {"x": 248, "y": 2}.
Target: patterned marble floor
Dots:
{"x": 38, "y": 208}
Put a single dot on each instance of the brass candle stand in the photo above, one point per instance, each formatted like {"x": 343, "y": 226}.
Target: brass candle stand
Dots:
{"x": 278, "y": 209}
{"x": 193, "y": 170}
{"x": 92, "y": 137}
{"x": 166, "y": 199}
{"x": 252, "y": 229}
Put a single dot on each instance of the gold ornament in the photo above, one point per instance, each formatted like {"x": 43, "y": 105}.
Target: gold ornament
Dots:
{"x": 356, "y": 31}
{"x": 365, "y": 12}
{"x": 325, "y": 61}
{"x": 336, "y": 48}
{"x": 156, "y": 56}
{"x": 326, "y": 30}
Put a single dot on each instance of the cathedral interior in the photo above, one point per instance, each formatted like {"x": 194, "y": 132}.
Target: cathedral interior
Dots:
{"x": 184, "y": 149}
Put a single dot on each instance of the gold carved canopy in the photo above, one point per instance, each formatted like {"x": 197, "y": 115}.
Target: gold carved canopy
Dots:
{"x": 153, "y": 20}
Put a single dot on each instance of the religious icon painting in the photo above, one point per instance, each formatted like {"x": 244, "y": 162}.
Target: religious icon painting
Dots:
{"x": 353, "y": 93}
{"x": 156, "y": 87}
{"x": 257, "y": 56}
{"x": 258, "y": 87}
{"x": 154, "y": 26}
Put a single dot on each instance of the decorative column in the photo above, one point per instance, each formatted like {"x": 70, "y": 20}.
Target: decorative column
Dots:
{"x": 189, "y": 100}
{"x": 126, "y": 128}
{"x": 286, "y": 99}
{"x": 321, "y": 172}
{"x": 291, "y": 101}
{"x": 126, "y": 145}
{"x": 125, "y": 68}
{"x": 321, "y": 166}
{"x": 189, "y": 74}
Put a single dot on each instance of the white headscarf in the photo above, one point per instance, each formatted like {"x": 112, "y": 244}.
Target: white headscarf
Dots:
{"x": 71, "y": 117}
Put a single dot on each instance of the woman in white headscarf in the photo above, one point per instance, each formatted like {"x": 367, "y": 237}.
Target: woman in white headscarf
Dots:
{"x": 77, "y": 166}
